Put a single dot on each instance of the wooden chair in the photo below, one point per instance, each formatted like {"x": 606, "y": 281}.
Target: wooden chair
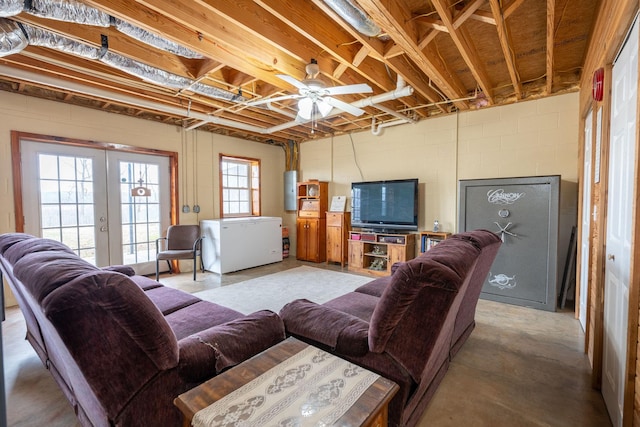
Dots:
{"x": 181, "y": 242}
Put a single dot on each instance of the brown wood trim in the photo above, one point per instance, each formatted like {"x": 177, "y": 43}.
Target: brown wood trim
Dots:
{"x": 599, "y": 262}
{"x": 16, "y": 165}
{"x": 248, "y": 159}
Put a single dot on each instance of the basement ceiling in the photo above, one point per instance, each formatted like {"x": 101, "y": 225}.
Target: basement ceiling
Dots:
{"x": 203, "y": 64}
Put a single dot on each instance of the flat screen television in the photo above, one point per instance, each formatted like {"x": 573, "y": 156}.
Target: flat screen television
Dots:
{"x": 385, "y": 205}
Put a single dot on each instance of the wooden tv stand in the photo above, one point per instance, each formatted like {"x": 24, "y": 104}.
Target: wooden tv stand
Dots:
{"x": 374, "y": 253}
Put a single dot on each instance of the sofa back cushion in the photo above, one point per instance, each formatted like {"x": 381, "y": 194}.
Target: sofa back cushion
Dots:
{"x": 489, "y": 243}
{"x": 115, "y": 334}
{"x": 415, "y": 308}
{"x": 9, "y": 239}
{"x": 43, "y": 272}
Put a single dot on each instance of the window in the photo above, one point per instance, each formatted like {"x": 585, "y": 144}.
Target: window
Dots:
{"x": 240, "y": 186}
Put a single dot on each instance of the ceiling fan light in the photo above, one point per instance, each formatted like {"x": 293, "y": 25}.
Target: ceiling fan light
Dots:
{"x": 305, "y": 108}
{"x": 324, "y": 108}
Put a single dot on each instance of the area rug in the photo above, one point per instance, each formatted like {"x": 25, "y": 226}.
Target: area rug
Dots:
{"x": 273, "y": 291}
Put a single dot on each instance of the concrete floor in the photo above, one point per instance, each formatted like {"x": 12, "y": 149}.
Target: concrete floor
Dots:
{"x": 520, "y": 367}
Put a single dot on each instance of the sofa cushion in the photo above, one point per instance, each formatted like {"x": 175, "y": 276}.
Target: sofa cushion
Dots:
{"x": 375, "y": 287}
{"x": 169, "y": 300}
{"x": 198, "y": 317}
{"x": 354, "y": 303}
{"x": 124, "y": 269}
{"x": 228, "y": 344}
{"x": 145, "y": 283}
{"x": 116, "y": 299}
{"x": 9, "y": 239}
{"x": 31, "y": 245}
{"x": 342, "y": 332}
{"x": 43, "y": 272}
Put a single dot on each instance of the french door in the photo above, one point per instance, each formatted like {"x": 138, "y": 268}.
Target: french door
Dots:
{"x": 108, "y": 206}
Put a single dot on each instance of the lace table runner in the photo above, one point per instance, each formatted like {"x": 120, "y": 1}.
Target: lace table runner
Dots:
{"x": 311, "y": 388}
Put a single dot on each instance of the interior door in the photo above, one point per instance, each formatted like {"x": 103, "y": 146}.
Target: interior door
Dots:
{"x": 586, "y": 222}
{"x": 108, "y": 206}
{"x": 619, "y": 221}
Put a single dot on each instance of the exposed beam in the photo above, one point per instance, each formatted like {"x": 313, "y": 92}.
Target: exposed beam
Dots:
{"x": 466, "y": 48}
{"x": 551, "y": 30}
{"x": 507, "y": 50}
{"x": 398, "y": 24}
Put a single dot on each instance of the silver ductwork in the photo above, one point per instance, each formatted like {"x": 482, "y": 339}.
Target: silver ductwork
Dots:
{"x": 69, "y": 11}
{"x": 354, "y": 16}
{"x": 12, "y": 38}
{"x": 154, "y": 40}
{"x": 79, "y": 13}
{"x": 43, "y": 38}
{"x": 39, "y": 37}
{"x": 10, "y": 7}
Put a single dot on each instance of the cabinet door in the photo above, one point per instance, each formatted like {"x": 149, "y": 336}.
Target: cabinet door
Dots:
{"x": 313, "y": 240}
{"x": 334, "y": 244}
{"x": 302, "y": 239}
{"x": 355, "y": 254}
{"x": 396, "y": 253}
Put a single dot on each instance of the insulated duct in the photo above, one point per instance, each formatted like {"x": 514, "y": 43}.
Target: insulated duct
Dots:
{"x": 79, "y": 13}
{"x": 354, "y": 17}
{"x": 10, "y": 7}
{"x": 12, "y": 38}
{"x": 43, "y": 38}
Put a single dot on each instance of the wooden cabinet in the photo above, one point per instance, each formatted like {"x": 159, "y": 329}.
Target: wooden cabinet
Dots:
{"x": 311, "y": 243}
{"x": 375, "y": 253}
{"x": 312, "y": 199}
{"x": 429, "y": 239}
{"x": 338, "y": 226}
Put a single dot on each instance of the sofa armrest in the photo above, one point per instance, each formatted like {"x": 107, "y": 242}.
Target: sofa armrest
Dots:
{"x": 207, "y": 353}
{"x": 342, "y": 332}
{"x": 124, "y": 269}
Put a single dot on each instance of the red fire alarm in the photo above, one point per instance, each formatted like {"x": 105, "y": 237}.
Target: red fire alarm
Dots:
{"x": 598, "y": 84}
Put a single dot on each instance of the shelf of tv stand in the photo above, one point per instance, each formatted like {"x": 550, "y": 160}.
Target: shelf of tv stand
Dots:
{"x": 374, "y": 253}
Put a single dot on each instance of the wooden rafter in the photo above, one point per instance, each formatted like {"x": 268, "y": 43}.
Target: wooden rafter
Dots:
{"x": 551, "y": 30}
{"x": 507, "y": 50}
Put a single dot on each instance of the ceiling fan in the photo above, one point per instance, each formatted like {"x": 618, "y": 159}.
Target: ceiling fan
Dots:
{"x": 315, "y": 97}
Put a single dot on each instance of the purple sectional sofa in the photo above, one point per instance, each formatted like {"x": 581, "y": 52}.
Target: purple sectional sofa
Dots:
{"x": 121, "y": 346}
{"x": 407, "y": 326}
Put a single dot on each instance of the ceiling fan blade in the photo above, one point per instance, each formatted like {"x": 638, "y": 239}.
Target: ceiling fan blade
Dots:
{"x": 292, "y": 81}
{"x": 348, "y": 89}
{"x": 267, "y": 100}
{"x": 343, "y": 106}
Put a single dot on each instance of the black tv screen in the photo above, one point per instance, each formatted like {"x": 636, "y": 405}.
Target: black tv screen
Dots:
{"x": 385, "y": 205}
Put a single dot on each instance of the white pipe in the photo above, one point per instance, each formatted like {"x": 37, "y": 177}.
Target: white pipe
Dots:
{"x": 280, "y": 111}
{"x": 395, "y": 113}
{"x": 204, "y": 118}
{"x": 378, "y": 130}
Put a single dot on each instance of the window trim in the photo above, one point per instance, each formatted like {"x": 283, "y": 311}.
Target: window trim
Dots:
{"x": 254, "y": 192}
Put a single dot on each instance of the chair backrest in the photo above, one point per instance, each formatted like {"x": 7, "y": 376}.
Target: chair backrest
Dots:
{"x": 182, "y": 237}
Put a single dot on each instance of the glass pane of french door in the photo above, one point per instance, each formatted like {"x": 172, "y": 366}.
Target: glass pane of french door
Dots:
{"x": 105, "y": 205}
{"x": 63, "y": 197}
{"x": 142, "y": 189}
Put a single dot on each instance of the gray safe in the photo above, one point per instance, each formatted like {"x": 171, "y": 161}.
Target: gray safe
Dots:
{"x": 534, "y": 217}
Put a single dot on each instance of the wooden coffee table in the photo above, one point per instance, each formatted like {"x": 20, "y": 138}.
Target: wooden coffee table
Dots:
{"x": 297, "y": 379}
